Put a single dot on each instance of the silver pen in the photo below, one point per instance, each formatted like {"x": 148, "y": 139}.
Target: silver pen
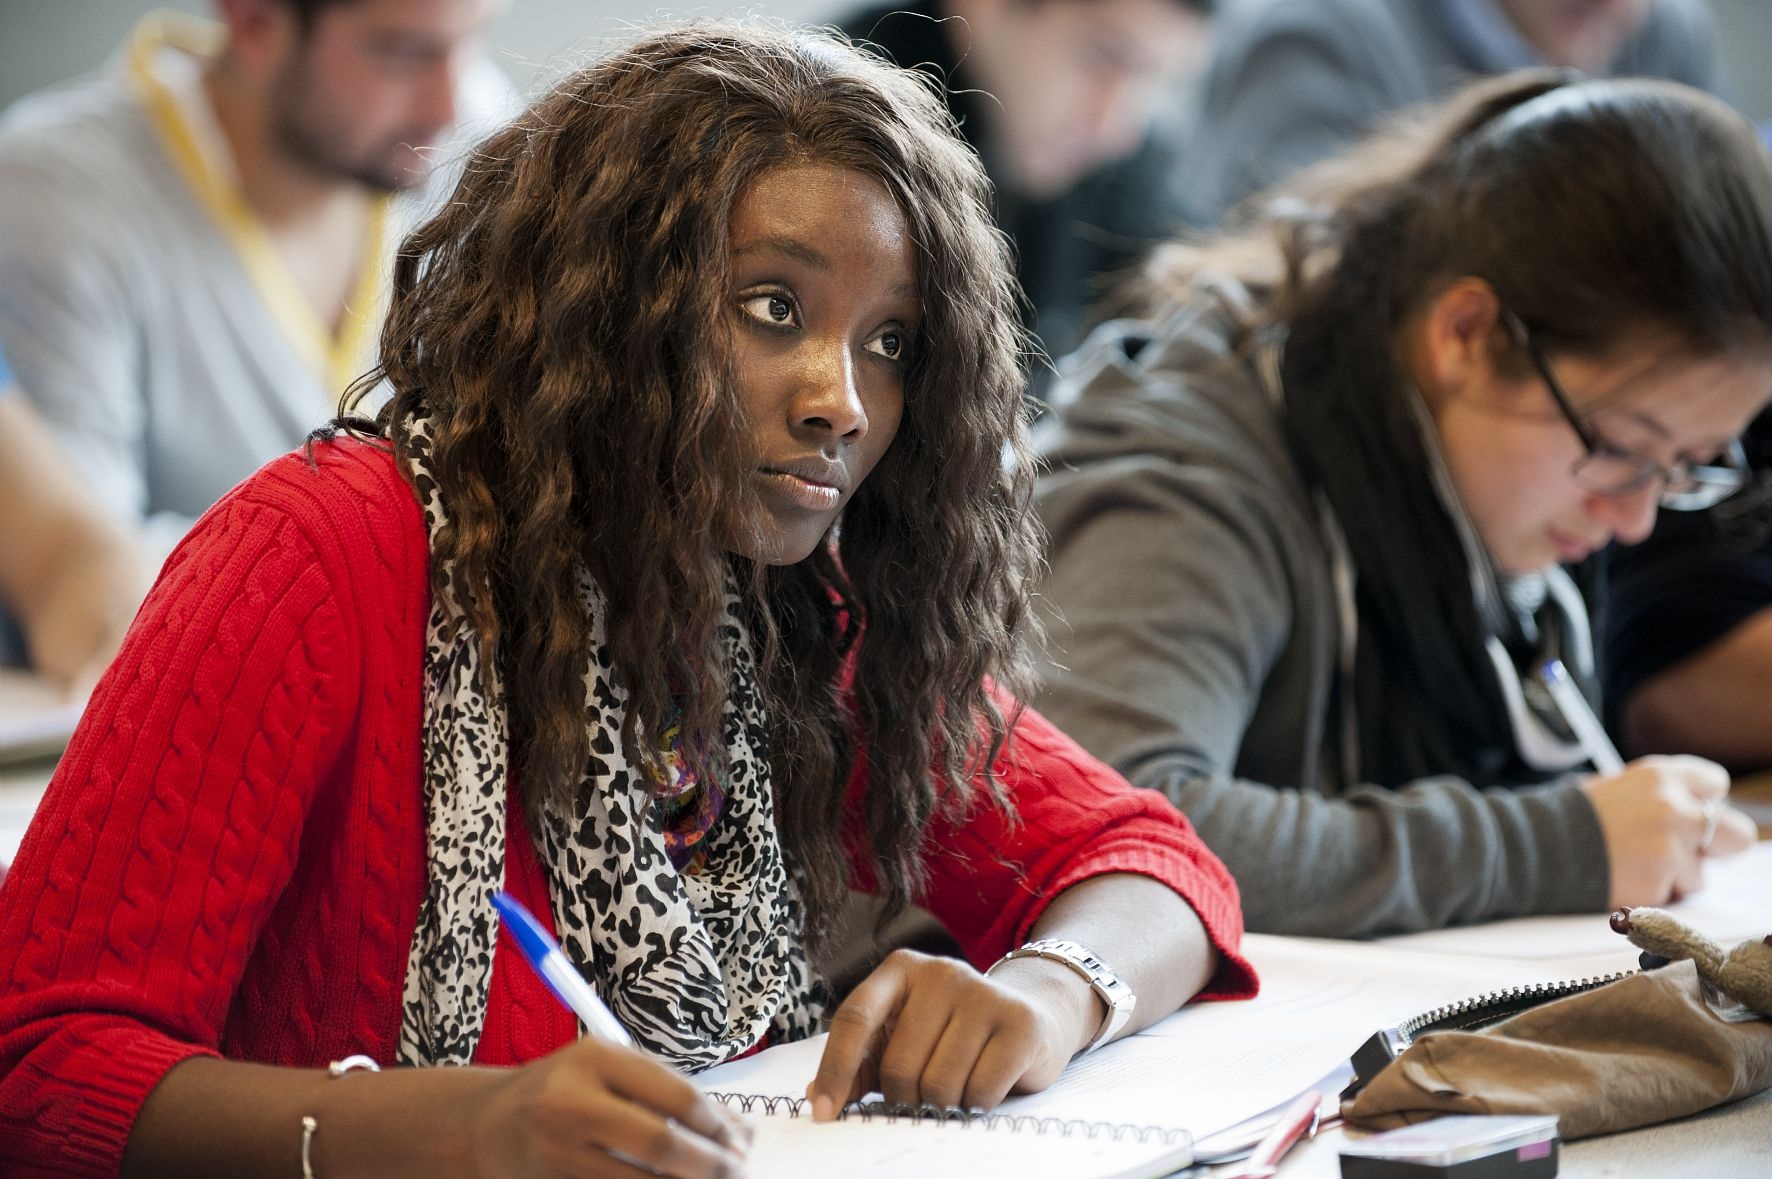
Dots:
{"x": 1581, "y": 719}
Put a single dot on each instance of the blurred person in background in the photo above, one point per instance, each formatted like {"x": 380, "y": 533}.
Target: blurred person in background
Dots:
{"x": 1294, "y": 81}
{"x": 1061, "y": 99}
{"x": 194, "y": 242}
{"x": 70, "y": 578}
{"x": 1689, "y": 629}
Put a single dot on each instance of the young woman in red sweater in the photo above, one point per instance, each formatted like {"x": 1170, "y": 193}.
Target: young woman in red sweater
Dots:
{"x": 575, "y": 616}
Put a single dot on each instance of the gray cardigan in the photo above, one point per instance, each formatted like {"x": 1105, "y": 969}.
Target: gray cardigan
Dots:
{"x": 1195, "y": 636}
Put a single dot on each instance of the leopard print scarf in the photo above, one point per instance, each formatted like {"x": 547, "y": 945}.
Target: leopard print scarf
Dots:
{"x": 698, "y": 965}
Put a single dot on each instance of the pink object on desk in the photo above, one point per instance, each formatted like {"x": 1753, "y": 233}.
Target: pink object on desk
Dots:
{"x": 1299, "y": 1120}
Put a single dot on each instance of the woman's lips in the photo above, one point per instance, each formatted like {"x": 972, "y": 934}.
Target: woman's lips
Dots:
{"x": 808, "y": 494}
{"x": 1571, "y": 550}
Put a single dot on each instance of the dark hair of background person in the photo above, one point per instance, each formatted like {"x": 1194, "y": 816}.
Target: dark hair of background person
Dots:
{"x": 1602, "y": 212}
{"x": 307, "y": 12}
{"x": 564, "y": 323}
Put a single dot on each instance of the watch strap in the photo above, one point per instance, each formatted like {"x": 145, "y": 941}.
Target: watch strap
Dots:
{"x": 1108, "y": 986}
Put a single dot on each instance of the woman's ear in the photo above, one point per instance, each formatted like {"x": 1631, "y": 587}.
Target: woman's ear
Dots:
{"x": 1458, "y": 335}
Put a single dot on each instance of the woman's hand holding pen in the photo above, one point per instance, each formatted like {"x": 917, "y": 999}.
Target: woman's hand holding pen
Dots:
{"x": 599, "y": 1107}
{"x": 589, "y": 1108}
{"x": 1661, "y": 816}
{"x": 934, "y": 1031}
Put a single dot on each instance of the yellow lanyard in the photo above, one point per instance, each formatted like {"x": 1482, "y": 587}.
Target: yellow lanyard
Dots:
{"x": 335, "y": 358}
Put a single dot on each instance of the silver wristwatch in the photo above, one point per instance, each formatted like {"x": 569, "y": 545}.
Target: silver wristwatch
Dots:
{"x": 1104, "y": 982}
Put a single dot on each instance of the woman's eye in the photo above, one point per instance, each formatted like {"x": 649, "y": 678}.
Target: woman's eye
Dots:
{"x": 887, "y": 344}
{"x": 776, "y": 310}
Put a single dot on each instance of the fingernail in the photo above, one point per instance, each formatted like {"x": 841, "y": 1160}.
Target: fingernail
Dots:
{"x": 823, "y": 1109}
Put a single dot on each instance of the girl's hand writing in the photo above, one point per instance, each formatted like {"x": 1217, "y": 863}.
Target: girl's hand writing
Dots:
{"x": 934, "y": 1031}
{"x": 599, "y": 1109}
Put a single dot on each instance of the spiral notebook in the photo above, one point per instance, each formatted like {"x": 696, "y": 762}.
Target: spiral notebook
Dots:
{"x": 1026, "y": 1135}
{"x": 877, "y": 1139}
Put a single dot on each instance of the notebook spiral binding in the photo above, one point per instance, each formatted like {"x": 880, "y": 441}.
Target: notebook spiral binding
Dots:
{"x": 888, "y": 1112}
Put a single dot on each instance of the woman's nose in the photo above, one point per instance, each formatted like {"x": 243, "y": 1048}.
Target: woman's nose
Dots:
{"x": 1632, "y": 517}
{"x": 830, "y": 398}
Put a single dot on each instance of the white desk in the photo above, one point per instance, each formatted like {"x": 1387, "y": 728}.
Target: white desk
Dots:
{"x": 1730, "y": 1143}
{"x": 1733, "y": 1142}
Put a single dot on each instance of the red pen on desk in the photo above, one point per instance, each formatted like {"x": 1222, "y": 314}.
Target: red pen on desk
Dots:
{"x": 1299, "y": 1120}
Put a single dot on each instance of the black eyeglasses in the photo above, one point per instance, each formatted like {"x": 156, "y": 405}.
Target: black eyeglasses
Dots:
{"x": 1610, "y": 470}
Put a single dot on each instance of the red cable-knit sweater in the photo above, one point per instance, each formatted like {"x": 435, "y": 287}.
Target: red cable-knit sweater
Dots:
{"x": 230, "y": 857}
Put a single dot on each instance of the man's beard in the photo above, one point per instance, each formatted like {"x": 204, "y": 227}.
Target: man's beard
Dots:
{"x": 321, "y": 150}
{"x": 374, "y": 170}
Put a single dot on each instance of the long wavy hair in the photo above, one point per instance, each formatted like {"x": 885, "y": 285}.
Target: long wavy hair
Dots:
{"x": 564, "y": 324}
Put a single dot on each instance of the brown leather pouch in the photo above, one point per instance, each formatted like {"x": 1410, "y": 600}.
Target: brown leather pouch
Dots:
{"x": 1637, "y": 1051}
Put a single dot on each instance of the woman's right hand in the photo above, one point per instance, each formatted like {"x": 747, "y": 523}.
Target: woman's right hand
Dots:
{"x": 593, "y": 1106}
{"x": 1654, "y": 815}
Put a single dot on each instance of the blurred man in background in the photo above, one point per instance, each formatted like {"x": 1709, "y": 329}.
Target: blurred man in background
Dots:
{"x": 1061, "y": 99}
{"x": 70, "y": 577}
{"x": 1293, "y": 81}
{"x": 194, "y": 243}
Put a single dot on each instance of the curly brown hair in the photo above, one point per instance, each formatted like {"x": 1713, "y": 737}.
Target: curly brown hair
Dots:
{"x": 564, "y": 324}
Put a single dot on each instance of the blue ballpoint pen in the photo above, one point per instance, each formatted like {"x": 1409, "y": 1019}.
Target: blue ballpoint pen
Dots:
{"x": 549, "y": 961}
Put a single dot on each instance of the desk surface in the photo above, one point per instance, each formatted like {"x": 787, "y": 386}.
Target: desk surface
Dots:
{"x": 1734, "y": 1142}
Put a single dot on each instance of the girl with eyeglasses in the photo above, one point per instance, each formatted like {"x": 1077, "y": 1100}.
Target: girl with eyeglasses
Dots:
{"x": 1311, "y": 504}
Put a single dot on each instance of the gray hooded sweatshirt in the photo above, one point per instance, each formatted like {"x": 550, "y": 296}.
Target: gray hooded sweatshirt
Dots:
{"x": 1195, "y": 643}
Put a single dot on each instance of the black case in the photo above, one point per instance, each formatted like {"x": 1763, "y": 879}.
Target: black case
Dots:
{"x": 1503, "y": 1164}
